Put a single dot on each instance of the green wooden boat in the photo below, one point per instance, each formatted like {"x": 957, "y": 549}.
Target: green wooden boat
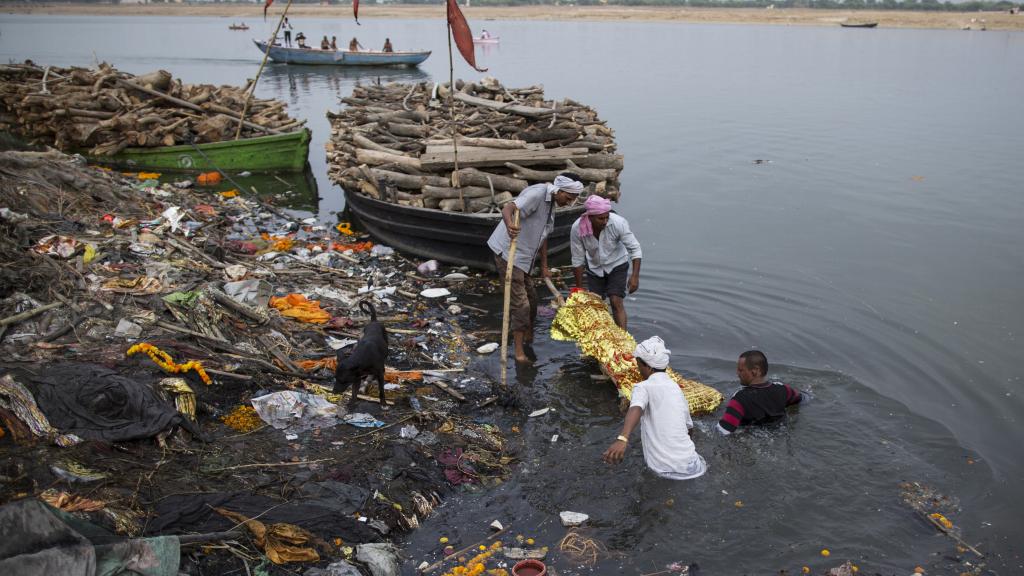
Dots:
{"x": 274, "y": 153}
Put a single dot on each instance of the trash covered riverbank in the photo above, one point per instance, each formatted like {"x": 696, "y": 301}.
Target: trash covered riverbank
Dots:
{"x": 168, "y": 371}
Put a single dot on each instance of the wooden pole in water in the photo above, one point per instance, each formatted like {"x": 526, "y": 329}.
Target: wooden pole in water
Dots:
{"x": 507, "y": 304}
{"x": 451, "y": 119}
{"x": 266, "y": 54}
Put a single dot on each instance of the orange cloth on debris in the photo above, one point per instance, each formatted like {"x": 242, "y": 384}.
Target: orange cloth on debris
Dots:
{"x": 298, "y": 307}
{"x": 280, "y": 542}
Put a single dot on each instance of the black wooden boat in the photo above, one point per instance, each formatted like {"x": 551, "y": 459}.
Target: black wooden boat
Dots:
{"x": 860, "y": 25}
{"x": 451, "y": 237}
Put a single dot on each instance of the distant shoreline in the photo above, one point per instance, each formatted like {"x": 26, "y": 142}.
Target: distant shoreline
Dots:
{"x": 783, "y": 17}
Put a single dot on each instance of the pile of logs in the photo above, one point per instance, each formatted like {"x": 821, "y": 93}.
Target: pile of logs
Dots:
{"x": 394, "y": 142}
{"x": 104, "y": 111}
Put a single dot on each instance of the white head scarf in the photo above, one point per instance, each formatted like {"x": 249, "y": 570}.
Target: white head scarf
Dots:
{"x": 565, "y": 183}
{"x": 653, "y": 352}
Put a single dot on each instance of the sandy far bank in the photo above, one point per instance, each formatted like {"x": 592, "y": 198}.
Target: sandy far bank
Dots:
{"x": 786, "y": 17}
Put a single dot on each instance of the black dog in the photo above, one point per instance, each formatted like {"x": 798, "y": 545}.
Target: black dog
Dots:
{"x": 366, "y": 360}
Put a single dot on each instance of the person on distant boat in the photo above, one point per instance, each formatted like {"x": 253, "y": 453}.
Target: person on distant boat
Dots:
{"x": 325, "y": 44}
{"x": 334, "y": 43}
{"x": 758, "y": 401}
{"x": 661, "y": 409}
{"x": 602, "y": 247}
{"x": 300, "y": 39}
{"x": 387, "y": 45}
{"x": 287, "y": 27}
{"x": 354, "y": 45}
{"x": 536, "y": 207}
{"x": 485, "y": 35}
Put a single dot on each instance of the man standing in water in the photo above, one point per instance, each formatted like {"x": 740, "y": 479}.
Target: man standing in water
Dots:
{"x": 536, "y": 207}
{"x": 661, "y": 407}
{"x": 758, "y": 401}
{"x": 602, "y": 247}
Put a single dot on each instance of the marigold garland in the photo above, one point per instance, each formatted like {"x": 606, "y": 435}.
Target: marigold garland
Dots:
{"x": 164, "y": 361}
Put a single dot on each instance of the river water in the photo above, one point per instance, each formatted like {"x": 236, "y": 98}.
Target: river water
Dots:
{"x": 875, "y": 254}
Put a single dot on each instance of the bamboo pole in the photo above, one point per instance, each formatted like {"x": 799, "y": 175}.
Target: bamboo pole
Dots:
{"x": 451, "y": 119}
{"x": 507, "y": 304}
{"x": 266, "y": 54}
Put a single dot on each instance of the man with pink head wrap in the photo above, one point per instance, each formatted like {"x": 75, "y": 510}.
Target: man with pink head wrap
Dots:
{"x": 602, "y": 248}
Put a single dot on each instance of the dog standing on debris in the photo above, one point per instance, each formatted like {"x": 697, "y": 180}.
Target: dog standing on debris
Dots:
{"x": 366, "y": 360}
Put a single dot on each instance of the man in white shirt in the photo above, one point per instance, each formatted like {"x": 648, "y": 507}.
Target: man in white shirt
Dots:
{"x": 602, "y": 247}
{"x": 660, "y": 406}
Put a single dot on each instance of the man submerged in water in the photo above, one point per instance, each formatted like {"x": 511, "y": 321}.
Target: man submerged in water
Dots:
{"x": 758, "y": 401}
{"x": 660, "y": 406}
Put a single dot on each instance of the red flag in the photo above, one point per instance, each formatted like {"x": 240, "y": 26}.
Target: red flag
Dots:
{"x": 265, "y": 6}
{"x": 355, "y": 11}
{"x": 460, "y": 32}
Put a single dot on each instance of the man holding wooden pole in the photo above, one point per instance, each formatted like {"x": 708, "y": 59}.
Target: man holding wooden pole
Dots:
{"x": 536, "y": 207}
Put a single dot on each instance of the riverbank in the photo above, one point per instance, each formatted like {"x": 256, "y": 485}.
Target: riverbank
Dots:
{"x": 782, "y": 17}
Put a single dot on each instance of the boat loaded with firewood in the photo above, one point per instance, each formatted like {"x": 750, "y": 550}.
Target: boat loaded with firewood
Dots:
{"x": 392, "y": 150}
{"x": 151, "y": 122}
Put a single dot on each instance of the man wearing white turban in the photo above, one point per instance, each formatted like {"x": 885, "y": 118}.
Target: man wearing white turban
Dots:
{"x": 660, "y": 406}
{"x": 536, "y": 207}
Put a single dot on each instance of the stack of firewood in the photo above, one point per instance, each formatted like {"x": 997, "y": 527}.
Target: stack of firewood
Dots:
{"x": 394, "y": 142}
{"x": 104, "y": 111}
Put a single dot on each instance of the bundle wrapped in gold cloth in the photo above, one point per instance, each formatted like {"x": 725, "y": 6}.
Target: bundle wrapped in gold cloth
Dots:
{"x": 586, "y": 320}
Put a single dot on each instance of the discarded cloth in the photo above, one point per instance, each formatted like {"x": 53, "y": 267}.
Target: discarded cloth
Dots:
{"x": 17, "y": 399}
{"x": 97, "y": 403}
{"x": 185, "y": 513}
{"x": 298, "y": 307}
{"x": 40, "y": 540}
{"x": 362, "y": 420}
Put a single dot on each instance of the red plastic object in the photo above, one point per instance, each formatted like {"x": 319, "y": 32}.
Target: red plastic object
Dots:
{"x": 529, "y": 567}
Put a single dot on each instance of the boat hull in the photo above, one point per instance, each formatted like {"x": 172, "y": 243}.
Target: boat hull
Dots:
{"x": 274, "y": 153}
{"x": 451, "y": 237}
{"x": 865, "y": 25}
{"x": 284, "y": 55}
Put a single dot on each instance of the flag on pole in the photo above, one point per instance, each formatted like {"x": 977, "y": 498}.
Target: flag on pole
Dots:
{"x": 355, "y": 11}
{"x": 460, "y": 32}
{"x": 265, "y": 6}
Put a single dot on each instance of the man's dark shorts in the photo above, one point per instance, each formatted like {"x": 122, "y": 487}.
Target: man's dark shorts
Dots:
{"x": 611, "y": 284}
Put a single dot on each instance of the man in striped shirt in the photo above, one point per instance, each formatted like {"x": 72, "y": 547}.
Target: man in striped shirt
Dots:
{"x": 758, "y": 401}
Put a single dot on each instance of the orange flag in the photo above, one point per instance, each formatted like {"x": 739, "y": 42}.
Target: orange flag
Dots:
{"x": 460, "y": 32}
{"x": 265, "y": 6}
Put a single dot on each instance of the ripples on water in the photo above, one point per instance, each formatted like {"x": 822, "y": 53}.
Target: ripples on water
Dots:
{"x": 878, "y": 248}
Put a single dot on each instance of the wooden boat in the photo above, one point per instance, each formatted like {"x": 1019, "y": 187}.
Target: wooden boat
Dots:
{"x": 452, "y": 237}
{"x": 488, "y": 40}
{"x": 342, "y": 57}
{"x": 860, "y": 25}
{"x": 273, "y": 153}
{"x": 238, "y": 27}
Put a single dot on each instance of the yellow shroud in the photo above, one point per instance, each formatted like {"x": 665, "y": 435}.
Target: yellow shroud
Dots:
{"x": 585, "y": 319}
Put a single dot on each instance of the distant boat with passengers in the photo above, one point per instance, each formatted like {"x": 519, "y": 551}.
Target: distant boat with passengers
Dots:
{"x": 398, "y": 58}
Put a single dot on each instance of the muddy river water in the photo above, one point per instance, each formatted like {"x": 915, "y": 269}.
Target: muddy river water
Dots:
{"x": 849, "y": 201}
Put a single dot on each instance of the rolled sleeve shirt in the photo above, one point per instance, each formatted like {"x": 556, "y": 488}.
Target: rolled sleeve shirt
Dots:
{"x": 536, "y": 220}
{"x": 601, "y": 255}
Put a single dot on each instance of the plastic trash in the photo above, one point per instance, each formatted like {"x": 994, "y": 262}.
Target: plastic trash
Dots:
{"x": 362, "y": 420}
{"x": 409, "y": 431}
{"x": 379, "y": 250}
{"x": 174, "y": 215}
{"x": 539, "y": 412}
{"x": 487, "y": 348}
{"x": 252, "y": 291}
{"x": 572, "y": 518}
{"x": 127, "y": 329}
{"x": 435, "y": 293}
{"x": 455, "y": 277}
{"x": 428, "y": 267}
{"x": 292, "y": 410}
{"x": 380, "y": 558}
{"x": 235, "y": 272}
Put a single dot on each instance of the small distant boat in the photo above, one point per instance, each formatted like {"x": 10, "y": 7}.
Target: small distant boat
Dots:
{"x": 487, "y": 40}
{"x": 860, "y": 25}
{"x": 238, "y": 27}
{"x": 343, "y": 57}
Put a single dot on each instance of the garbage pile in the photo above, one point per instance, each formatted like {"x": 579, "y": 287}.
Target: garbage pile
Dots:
{"x": 105, "y": 110}
{"x": 394, "y": 142}
{"x": 167, "y": 371}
